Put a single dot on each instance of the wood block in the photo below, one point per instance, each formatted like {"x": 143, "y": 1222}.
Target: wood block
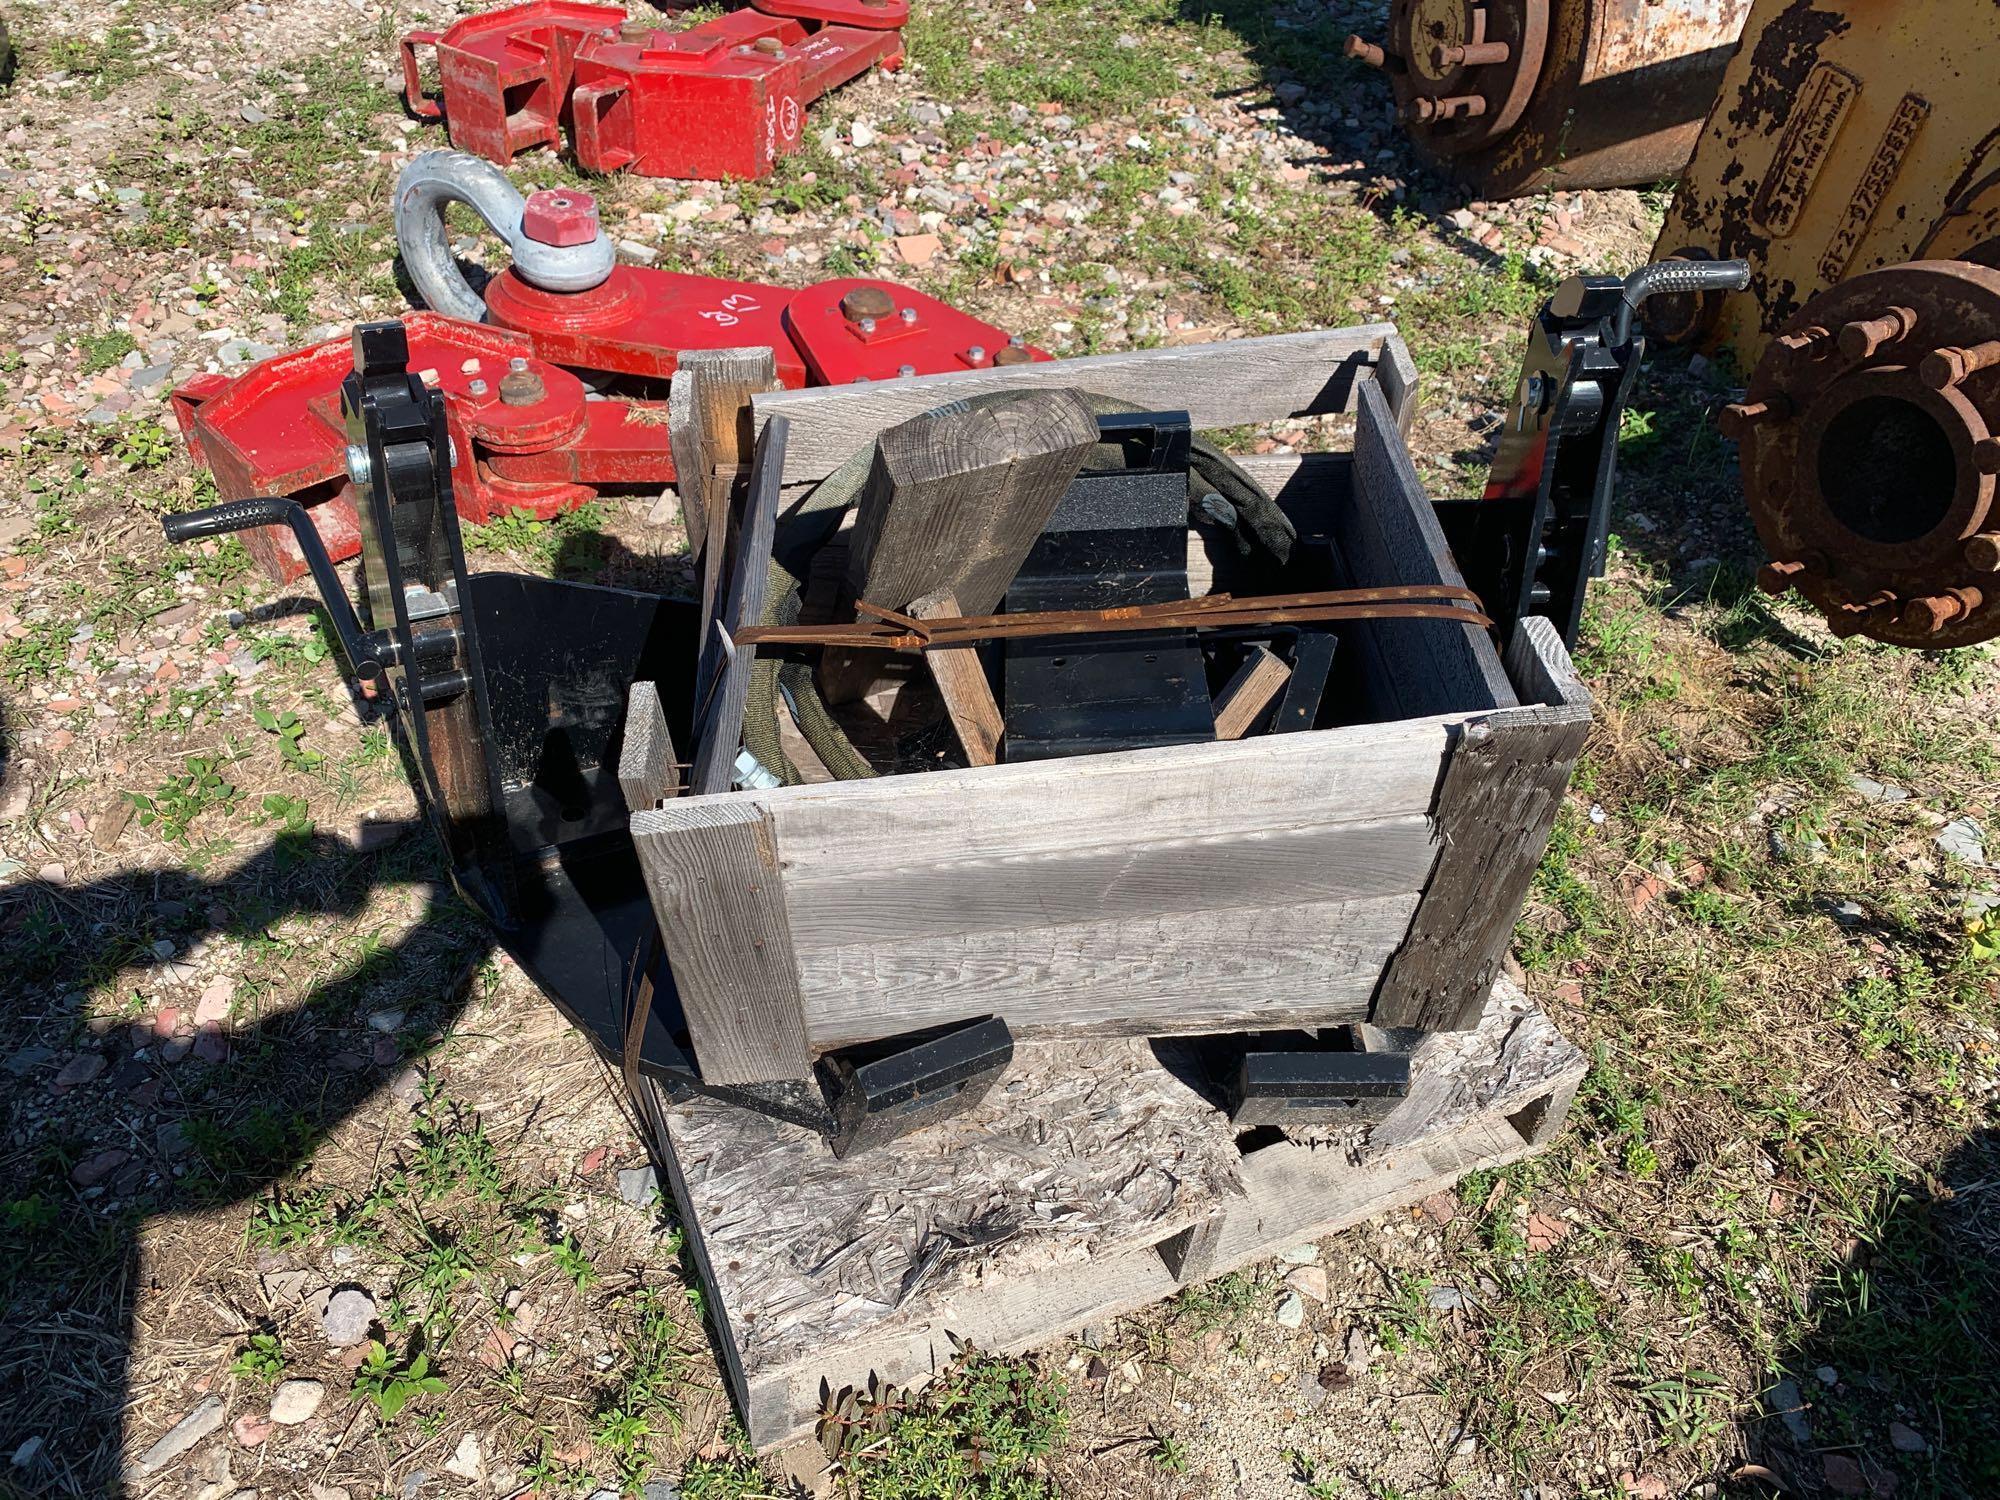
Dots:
{"x": 711, "y": 868}
{"x": 647, "y": 772}
{"x": 961, "y": 682}
{"x": 1249, "y": 693}
{"x": 955, "y": 500}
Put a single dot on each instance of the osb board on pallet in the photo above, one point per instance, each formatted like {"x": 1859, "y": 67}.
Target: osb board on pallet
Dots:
{"x": 1093, "y": 1180}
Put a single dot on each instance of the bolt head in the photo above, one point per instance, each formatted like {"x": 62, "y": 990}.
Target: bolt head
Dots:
{"x": 906, "y": 370}
{"x": 865, "y": 304}
{"x": 560, "y": 216}
{"x": 357, "y": 463}
{"x": 908, "y": 315}
{"x": 976, "y": 355}
{"x": 475, "y": 388}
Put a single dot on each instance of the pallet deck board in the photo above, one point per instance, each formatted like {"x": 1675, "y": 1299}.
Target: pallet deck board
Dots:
{"x": 1093, "y": 1181}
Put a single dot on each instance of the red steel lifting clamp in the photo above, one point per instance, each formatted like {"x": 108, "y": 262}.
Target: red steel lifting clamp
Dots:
{"x": 722, "y": 99}
{"x": 527, "y": 433}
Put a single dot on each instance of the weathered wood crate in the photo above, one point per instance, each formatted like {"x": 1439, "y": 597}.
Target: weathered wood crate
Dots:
{"x": 1094, "y": 1180}
{"x": 1369, "y": 871}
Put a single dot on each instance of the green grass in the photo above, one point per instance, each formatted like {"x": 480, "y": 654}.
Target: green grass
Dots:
{"x": 979, "y": 1431}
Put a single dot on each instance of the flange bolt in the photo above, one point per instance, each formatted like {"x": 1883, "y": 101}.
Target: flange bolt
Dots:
{"x": 1932, "y": 613}
{"x": 1737, "y": 421}
{"x": 1362, "y": 50}
{"x": 1776, "y": 578}
{"x": 1944, "y": 368}
{"x": 1861, "y": 338}
{"x": 1472, "y": 55}
{"x": 1982, "y": 552}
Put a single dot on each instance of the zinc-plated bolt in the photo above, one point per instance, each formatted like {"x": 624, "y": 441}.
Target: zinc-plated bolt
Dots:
{"x": 908, "y": 315}
{"x": 906, "y": 370}
{"x": 866, "y": 325}
{"x": 357, "y": 463}
{"x": 1016, "y": 340}
{"x": 517, "y": 363}
{"x": 475, "y": 388}
{"x": 976, "y": 354}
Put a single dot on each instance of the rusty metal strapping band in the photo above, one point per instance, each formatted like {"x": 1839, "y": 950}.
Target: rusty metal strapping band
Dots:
{"x": 890, "y": 630}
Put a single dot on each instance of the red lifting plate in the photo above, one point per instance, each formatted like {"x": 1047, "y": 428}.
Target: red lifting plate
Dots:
{"x": 639, "y": 320}
{"x": 868, "y": 15}
{"x": 724, "y": 99}
{"x": 505, "y": 76}
{"x": 276, "y": 429}
{"x": 526, "y": 438}
{"x": 852, "y": 330}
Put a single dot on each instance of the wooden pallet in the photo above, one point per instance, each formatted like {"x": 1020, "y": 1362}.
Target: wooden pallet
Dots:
{"x": 1092, "y": 1181}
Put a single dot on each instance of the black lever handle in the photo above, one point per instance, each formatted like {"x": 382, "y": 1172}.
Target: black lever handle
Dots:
{"x": 1666, "y": 278}
{"x": 367, "y": 652}
{"x": 231, "y": 515}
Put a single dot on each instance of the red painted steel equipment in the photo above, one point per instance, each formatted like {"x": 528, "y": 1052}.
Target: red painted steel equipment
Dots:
{"x": 527, "y": 436}
{"x": 724, "y": 98}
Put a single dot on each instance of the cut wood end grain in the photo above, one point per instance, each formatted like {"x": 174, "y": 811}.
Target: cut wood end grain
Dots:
{"x": 1252, "y": 690}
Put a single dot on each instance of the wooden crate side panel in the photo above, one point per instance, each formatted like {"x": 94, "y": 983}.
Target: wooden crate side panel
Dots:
{"x": 1503, "y": 785}
{"x": 712, "y": 875}
{"x": 1319, "y": 862}
{"x": 1187, "y": 971}
{"x": 1218, "y": 385}
{"x": 853, "y": 829}
{"x": 1389, "y": 534}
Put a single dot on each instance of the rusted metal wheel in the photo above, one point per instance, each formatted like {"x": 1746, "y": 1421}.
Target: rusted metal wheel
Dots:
{"x": 1518, "y": 95}
{"x": 1869, "y": 453}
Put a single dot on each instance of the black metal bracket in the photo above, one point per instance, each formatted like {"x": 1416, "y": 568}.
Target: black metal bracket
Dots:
{"x": 507, "y": 696}
{"x": 1353, "y": 1074}
{"x": 1118, "y": 537}
{"x": 1533, "y": 542}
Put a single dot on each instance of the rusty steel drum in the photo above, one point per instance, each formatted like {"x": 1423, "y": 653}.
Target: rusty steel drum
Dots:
{"x": 1515, "y": 96}
{"x": 1869, "y": 454}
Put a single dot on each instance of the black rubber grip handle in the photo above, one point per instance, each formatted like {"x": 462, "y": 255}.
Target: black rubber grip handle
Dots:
{"x": 232, "y": 515}
{"x": 1667, "y": 277}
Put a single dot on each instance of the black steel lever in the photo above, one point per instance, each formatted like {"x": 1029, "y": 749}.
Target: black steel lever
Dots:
{"x": 367, "y": 652}
{"x": 1667, "y": 278}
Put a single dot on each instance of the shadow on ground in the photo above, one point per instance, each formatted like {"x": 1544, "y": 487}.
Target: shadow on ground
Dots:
{"x": 108, "y": 1126}
{"x": 1897, "y": 1391}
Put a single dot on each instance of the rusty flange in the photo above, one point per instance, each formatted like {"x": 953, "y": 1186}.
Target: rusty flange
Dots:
{"x": 1464, "y": 70}
{"x": 1869, "y": 454}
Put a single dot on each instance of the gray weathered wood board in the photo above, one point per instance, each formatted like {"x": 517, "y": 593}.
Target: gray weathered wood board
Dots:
{"x": 792, "y": 1315}
{"x": 647, "y": 772}
{"x": 721, "y": 908}
{"x": 1389, "y": 531}
{"x": 1218, "y": 385}
{"x": 721, "y": 733}
{"x": 1503, "y": 785}
{"x": 1318, "y": 862}
{"x": 1206, "y": 969}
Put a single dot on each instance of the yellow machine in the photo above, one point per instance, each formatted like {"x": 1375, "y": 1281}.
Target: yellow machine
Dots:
{"x": 1846, "y": 137}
